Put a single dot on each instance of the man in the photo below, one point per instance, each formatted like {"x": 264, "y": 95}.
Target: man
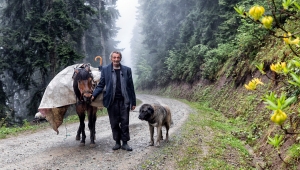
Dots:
{"x": 119, "y": 98}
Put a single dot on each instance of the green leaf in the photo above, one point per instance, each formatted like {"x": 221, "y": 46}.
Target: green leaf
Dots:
{"x": 288, "y": 102}
{"x": 271, "y": 105}
{"x": 297, "y": 5}
{"x": 295, "y": 77}
{"x": 240, "y": 10}
{"x": 276, "y": 141}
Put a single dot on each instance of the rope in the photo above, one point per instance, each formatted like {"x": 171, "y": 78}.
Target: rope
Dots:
{"x": 66, "y": 129}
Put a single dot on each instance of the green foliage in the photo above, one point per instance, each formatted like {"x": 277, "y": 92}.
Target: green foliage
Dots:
{"x": 276, "y": 142}
{"x": 185, "y": 67}
{"x": 294, "y": 151}
{"x": 210, "y": 149}
{"x": 274, "y": 103}
{"x": 40, "y": 38}
{"x": 144, "y": 73}
{"x": 172, "y": 40}
{"x": 214, "y": 58}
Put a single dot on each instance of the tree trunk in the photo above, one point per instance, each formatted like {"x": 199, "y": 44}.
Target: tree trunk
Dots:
{"x": 83, "y": 39}
{"x": 102, "y": 41}
{"x": 52, "y": 54}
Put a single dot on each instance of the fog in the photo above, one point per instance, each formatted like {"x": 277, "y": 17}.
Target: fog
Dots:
{"x": 126, "y": 23}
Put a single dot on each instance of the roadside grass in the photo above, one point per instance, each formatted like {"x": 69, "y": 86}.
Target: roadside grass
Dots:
{"x": 30, "y": 127}
{"x": 204, "y": 142}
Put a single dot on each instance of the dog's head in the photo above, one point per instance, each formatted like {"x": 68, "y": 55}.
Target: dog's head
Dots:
{"x": 146, "y": 111}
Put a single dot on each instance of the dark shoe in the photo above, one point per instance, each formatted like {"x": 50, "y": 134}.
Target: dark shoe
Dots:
{"x": 116, "y": 147}
{"x": 126, "y": 147}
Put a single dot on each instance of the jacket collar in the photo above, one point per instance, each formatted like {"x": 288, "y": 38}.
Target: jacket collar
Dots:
{"x": 112, "y": 67}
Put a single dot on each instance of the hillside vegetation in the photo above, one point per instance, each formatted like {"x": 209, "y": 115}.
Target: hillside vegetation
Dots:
{"x": 220, "y": 54}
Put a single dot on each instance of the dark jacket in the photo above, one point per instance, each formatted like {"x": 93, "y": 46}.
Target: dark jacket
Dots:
{"x": 108, "y": 80}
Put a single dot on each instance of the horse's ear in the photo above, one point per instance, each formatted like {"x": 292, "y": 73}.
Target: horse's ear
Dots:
{"x": 87, "y": 67}
{"x": 75, "y": 73}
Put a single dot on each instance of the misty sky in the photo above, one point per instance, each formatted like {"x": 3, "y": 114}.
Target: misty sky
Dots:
{"x": 126, "y": 22}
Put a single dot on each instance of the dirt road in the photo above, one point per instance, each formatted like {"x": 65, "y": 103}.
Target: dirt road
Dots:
{"x": 46, "y": 150}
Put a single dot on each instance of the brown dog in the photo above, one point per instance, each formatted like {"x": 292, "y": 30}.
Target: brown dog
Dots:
{"x": 157, "y": 116}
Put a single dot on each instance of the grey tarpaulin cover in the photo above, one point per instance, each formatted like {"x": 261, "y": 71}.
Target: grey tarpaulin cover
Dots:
{"x": 59, "y": 95}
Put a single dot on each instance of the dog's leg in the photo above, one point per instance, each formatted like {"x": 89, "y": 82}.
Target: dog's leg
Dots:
{"x": 167, "y": 130}
{"x": 159, "y": 134}
{"x": 151, "y": 128}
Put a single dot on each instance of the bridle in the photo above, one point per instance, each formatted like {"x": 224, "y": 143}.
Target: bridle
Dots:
{"x": 85, "y": 94}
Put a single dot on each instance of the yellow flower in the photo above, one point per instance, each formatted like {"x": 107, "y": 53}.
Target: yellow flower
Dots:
{"x": 288, "y": 39}
{"x": 250, "y": 86}
{"x": 256, "y": 12}
{"x": 253, "y": 83}
{"x": 258, "y": 81}
{"x": 279, "y": 67}
{"x": 274, "y": 68}
{"x": 295, "y": 41}
{"x": 278, "y": 117}
{"x": 267, "y": 21}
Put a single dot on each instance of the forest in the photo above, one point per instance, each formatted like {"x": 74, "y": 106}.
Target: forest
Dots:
{"x": 39, "y": 39}
{"x": 239, "y": 57}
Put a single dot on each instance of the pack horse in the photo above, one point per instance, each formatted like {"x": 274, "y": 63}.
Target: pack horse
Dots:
{"x": 83, "y": 86}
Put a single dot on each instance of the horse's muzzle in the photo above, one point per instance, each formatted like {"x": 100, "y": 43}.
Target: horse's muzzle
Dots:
{"x": 87, "y": 97}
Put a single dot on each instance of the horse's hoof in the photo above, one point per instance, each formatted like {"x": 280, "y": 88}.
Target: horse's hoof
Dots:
{"x": 81, "y": 144}
{"x": 77, "y": 137}
{"x": 92, "y": 145}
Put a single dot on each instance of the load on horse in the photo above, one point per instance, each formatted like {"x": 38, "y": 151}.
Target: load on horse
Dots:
{"x": 60, "y": 94}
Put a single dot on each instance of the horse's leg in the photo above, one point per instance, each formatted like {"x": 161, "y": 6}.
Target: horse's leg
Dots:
{"x": 92, "y": 124}
{"x": 78, "y": 132}
{"x": 82, "y": 125}
{"x": 80, "y": 111}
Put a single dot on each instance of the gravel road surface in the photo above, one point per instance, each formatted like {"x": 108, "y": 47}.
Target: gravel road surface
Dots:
{"x": 47, "y": 150}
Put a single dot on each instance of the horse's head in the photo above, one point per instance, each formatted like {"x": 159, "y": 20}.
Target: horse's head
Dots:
{"x": 86, "y": 89}
{"x": 83, "y": 85}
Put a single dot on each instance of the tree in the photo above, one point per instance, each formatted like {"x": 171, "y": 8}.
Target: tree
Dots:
{"x": 39, "y": 38}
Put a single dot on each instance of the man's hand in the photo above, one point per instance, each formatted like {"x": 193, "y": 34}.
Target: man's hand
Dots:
{"x": 92, "y": 98}
{"x": 133, "y": 107}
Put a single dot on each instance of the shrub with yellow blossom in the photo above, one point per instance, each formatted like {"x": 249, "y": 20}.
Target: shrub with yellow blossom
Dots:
{"x": 288, "y": 39}
{"x": 267, "y": 21}
{"x": 279, "y": 67}
{"x": 253, "y": 84}
{"x": 256, "y": 12}
{"x": 278, "y": 117}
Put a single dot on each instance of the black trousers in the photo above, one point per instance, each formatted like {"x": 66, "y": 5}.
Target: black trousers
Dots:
{"x": 119, "y": 120}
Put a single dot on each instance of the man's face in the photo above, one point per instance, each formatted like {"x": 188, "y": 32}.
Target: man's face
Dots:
{"x": 115, "y": 59}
